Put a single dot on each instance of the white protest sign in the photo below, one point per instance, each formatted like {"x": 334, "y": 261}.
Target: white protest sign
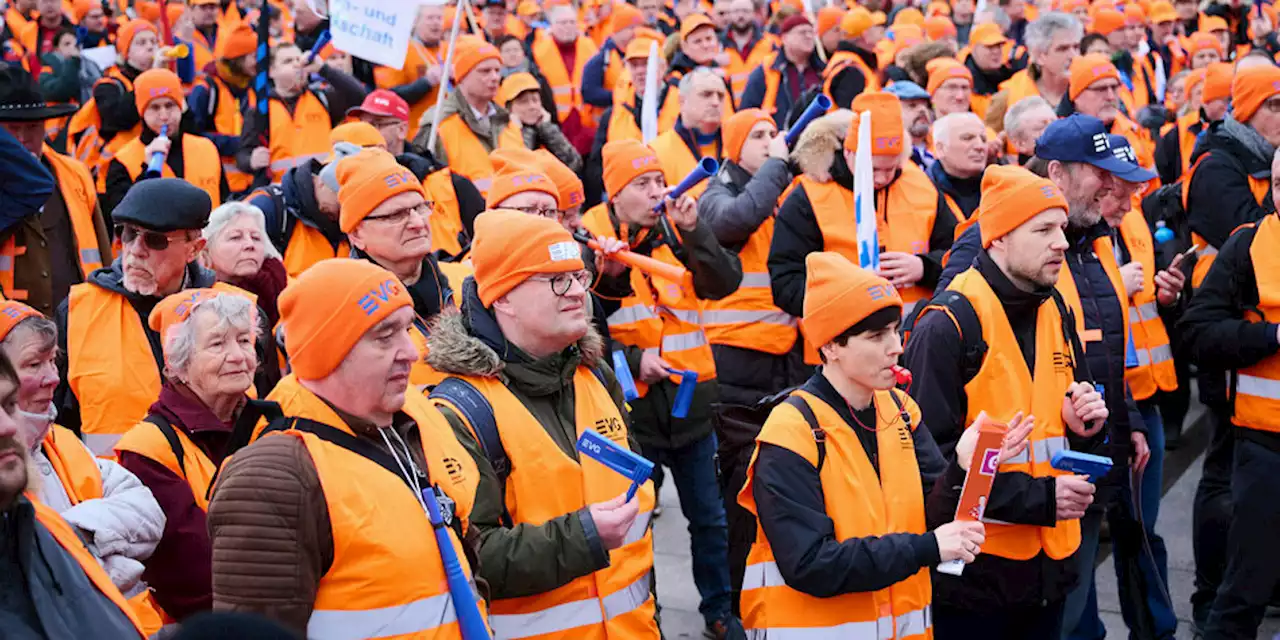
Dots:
{"x": 103, "y": 56}
{"x": 376, "y": 30}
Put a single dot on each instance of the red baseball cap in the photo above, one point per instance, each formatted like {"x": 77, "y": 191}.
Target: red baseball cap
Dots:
{"x": 382, "y": 102}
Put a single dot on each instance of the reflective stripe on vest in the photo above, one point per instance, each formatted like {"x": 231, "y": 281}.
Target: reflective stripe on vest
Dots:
{"x": 1041, "y": 450}
{"x": 1257, "y": 392}
{"x": 405, "y": 619}
{"x": 571, "y": 615}
{"x": 1155, "y": 370}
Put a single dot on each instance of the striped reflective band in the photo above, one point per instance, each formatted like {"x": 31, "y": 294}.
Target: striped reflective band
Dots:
{"x": 231, "y": 167}
{"x": 562, "y": 89}
{"x": 726, "y": 316}
{"x": 571, "y": 615}
{"x": 1043, "y": 450}
{"x": 1143, "y": 312}
{"x": 1208, "y": 250}
{"x": 639, "y": 527}
{"x": 684, "y": 341}
{"x": 415, "y": 617}
{"x": 756, "y": 279}
{"x": 293, "y": 161}
{"x": 90, "y": 255}
{"x": 761, "y": 575}
{"x": 6, "y": 263}
{"x": 1248, "y": 385}
{"x": 628, "y": 315}
{"x": 692, "y": 316}
{"x": 102, "y": 444}
{"x": 1162, "y": 353}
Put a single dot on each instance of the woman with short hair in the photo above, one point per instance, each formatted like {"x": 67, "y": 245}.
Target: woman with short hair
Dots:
{"x": 238, "y": 249}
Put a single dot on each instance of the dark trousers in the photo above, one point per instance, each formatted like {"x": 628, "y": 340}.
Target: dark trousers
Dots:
{"x": 1211, "y": 513}
{"x": 1253, "y": 567}
{"x": 1009, "y": 623}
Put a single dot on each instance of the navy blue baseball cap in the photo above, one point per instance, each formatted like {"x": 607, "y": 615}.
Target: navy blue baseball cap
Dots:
{"x": 1081, "y": 138}
{"x": 1123, "y": 149}
{"x": 907, "y": 90}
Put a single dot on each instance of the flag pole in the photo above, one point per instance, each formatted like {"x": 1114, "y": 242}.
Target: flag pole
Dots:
{"x": 444, "y": 75}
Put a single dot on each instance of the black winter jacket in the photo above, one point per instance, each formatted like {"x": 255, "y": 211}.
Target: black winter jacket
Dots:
{"x": 1219, "y": 199}
{"x": 753, "y": 94}
{"x": 850, "y": 81}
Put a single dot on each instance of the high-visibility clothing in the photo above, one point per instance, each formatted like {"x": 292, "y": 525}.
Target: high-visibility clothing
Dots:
{"x": 678, "y": 160}
{"x": 1004, "y": 386}
{"x": 110, "y": 365}
{"x": 387, "y": 579}
{"x": 748, "y": 318}
{"x": 566, "y": 84}
{"x": 228, "y": 120}
{"x": 1020, "y": 85}
{"x": 417, "y": 59}
{"x": 1139, "y": 138}
{"x": 307, "y": 246}
{"x": 1155, "y": 371}
{"x": 1259, "y": 187}
{"x": 1257, "y": 391}
{"x": 468, "y": 156}
{"x": 148, "y": 441}
{"x": 422, "y": 374}
{"x": 71, "y": 543}
{"x": 740, "y": 66}
{"x": 659, "y": 317}
{"x": 297, "y": 137}
{"x": 202, "y": 50}
{"x": 841, "y": 60}
{"x": 613, "y": 603}
{"x": 1105, "y": 250}
{"x": 201, "y": 165}
{"x": 84, "y": 131}
{"x": 1187, "y": 137}
{"x": 445, "y": 219}
{"x": 861, "y": 504}
{"x": 77, "y": 189}
{"x": 624, "y": 121}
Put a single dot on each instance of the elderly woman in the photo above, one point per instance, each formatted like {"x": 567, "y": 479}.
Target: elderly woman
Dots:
{"x": 208, "y": 337}
{"x": 238, "y": 249}
{"x": 109, "y": 508}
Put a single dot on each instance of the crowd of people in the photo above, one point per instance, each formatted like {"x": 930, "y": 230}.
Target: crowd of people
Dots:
{"x": 293, "y": 344}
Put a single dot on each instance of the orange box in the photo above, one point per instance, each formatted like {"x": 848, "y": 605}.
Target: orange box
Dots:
{"x": 979, "y": 478}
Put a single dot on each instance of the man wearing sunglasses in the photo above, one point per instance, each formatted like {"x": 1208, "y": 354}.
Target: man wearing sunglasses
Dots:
{"x": 386, "y": 216}
{"x": 109, "y": 359}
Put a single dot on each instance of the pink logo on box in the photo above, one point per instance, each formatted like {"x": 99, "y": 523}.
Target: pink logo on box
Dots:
{"x": 990, "y": 462}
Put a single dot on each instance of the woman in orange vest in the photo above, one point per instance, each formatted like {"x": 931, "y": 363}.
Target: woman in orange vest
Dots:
{"x": 840, "y": 476}
{"x": 208, "y": 337}
{"x": 160, "y": 101}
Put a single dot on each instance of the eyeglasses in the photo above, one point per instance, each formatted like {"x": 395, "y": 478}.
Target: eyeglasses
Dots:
{"x": 562, "y": 282}
{"x": 397, "y": 218}
{"x": 541, "y": 212}
{"x": 153, "y": 240}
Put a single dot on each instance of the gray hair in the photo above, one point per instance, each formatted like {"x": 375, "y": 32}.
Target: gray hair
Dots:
{"x": 180, "y": 340}
{"x": 224, "y": 214}
{"x": 41, "y": 327}
{"x": 686, "y": 83}
{"x": 998, "y": 16}
{"x": 1013, "y": 117}
{"x": 558, "y": 9}
{"x": 1040, "y": 33}
{"x": 942, "y": 126}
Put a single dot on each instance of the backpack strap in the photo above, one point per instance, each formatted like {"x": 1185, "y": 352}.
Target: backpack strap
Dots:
{"x": 1073, "y": 338}
{"x": 478, "y": 412}
{"x": 171, "y": 436}
{"x": 819, "y": 436}
{"x": 965, "y": 318}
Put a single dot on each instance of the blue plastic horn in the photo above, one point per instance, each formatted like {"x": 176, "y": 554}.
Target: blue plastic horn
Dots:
{"x": 321, "y": 41}
{"x": 156, "y": 164}
{"x": 470, "y": 623}
{"x": 815, "y": 109}
{"x": 706, "y": 168}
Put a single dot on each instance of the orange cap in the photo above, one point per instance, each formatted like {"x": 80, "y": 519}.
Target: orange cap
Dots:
{"x": 626, "y": 16}
{"x": 905, "y": 36}
{"x": 1251, "y": 88}
{"x": 569, "y": 187}
{"x": 624, "y": 161}
{"x": 146, "y": 10}
{"x": 177, "y": 307}
{"x": 157, "y": 83}
{"x": 987, "y": 34}
{"x": 129, "y": 31}
{"x": 693, "y": 23}
{"x": 527, "y": 9}
{"x": 368, "y": 179}
{"x": 511, "y": 159}
{"x": 1011, "y": 196}
{"x": 236, "y": 43}
{"x": 887, "y": 128}
{"x": 856, "y": 21}
{"x": 1069, "y": 6}
{"x": 361, "y": 134}
{"x": 1134, "y": 14}
{"x": 1194, "y": 79}
{"x": 736, "y": 129}
{"x": 520, "y": 181}
{"x": 174, "y": 10}
{"x": 514, "y": 85}
{"x": 1217, "y": 82}
{"x": 829, "y": 18}
{"x": 639, "y": 45}
{"x": 329, "y": 307}
{"x": 939, "y": 27}
{"x": 1161, "y": 12}
{"x": 1201, "y": 41}
{"x": 1209, "y": 24}
{"x": 910, "y": 15}
{"x": 839, "y": 294}
{"x": 937, "y": 9}
{"x": 1086, "y": 70}
{"x": 510, "y": 246}
{"x": 11, "y": 313}
{"x": 470, "y": 51}
{"x": 944, "y": 69}
{"x": 81, "y": 8}
{"x": 1107, "y": 21}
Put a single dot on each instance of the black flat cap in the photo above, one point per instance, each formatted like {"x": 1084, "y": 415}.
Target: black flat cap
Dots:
{"x": 164, "y": 204}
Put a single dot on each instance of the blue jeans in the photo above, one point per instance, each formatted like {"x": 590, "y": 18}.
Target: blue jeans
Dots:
{"x": 693, "y": 469}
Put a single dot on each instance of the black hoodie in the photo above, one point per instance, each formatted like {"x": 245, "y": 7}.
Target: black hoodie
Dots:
{"x": 850, "y": 81}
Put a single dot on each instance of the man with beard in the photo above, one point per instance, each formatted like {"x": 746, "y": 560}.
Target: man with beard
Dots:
{"x": 417, "y": 81}
{"x": 50, "y": 586}
{"x": 918, "y": 114}
{"x": 851, "y": 69}
{"x": 1053, "y": 41}
{"x": 746, "y": 44}
{"x": 109, "y": 358}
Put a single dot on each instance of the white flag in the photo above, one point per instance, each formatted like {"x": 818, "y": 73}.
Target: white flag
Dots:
{"x": 649, "y": 111}
{"x": 864, "y": 198}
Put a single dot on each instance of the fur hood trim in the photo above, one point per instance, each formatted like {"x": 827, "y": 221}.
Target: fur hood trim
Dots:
{"x": 452, "y": 349}
{"x": 819, "y": 141}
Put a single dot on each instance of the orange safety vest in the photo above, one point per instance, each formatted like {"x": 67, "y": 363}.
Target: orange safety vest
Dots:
{"x": 841, "y": 60}
{"x": 299, "y": 136}
{"x": 149, "y": 441}
{"x": 740, "y": 68}
{"x": 614, "y": 602}
{"x": 1106, "y": 253}
{"x": 861, "y": 504}
{"x": 1257, "y": 388}
{"x": 110, "y": 365}
{"x": 1155, "y": 371}
{"x": 202, "y": 50}
{"x": 417, "y": 59}
{"x": 624, "y": 121}
{"x": 612, "y": 80}
{"x": 677, "y": 160}
{"x": 446, "y": 219}
{"x": 387, "y": 579}
{"x": 1187, "y": 137}
{"x": 748, "y": 318}
{"x": 77, "y": 189}
{"x": 1004, "y": 386}
{"x": 229, "y": 120}
{"x": 468, "y": 156}
{"x": 1260, "y": 187}
{"x": 74, "y": 546}
{"x": 201, "y": 164}
{"x": 659, "y": 316}
{"x": 308, "y": 246}
{"x": 83, "y": 131}
{"x": 566, "y": 84}
{"x": 422, "y": 374}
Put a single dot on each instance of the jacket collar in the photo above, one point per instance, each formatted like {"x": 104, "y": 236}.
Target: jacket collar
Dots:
{"x": 781, "y": 62}
{"x": 111, "y": 278}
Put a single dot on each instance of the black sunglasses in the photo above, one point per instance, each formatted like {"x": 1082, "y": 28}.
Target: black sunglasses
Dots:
{"x": 153, "y": 240}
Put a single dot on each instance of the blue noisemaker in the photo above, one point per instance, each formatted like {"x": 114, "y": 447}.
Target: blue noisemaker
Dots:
{"x": 155, "y": 165}
{"x": 321, "y": 41}
{"x": 816, "y": 108}
{"x": 1081, "y": 463}
{"x": 629, "y": 464}
{"x": 623, "y": 372}
{"x": 684, "y": 394}
{"x": 470, "y": 622}
{"x": 1163, "y": 232}
{"x": 706, "y": 168}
